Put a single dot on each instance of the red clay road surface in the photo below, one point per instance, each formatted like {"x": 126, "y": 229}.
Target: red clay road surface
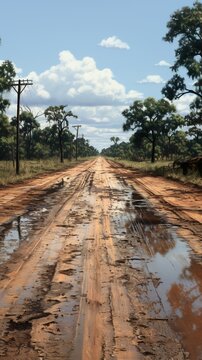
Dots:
{"x": 104, "y": 265}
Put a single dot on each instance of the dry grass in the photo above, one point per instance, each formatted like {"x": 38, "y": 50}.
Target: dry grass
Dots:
{"x": 164, "y": 168}
{"x": 29, "y": 169}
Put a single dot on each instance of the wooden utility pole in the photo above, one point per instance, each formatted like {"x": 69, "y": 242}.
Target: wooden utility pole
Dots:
{"x": 77, "y": 135}
{"x": 19, "y": 86}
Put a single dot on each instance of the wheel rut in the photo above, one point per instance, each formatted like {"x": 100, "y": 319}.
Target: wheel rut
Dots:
{"x": 102, "y": 273}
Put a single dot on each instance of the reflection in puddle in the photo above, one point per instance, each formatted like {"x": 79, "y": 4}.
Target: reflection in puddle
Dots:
{"x": 180, "y": 291}
{"x": 14, "y": 233}
{"x": 19, "y": 230}
{"x": 179, "y": 274}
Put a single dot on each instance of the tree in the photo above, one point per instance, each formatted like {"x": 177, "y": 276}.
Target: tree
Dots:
{"x": 121, "y": 151}
{"x": 85, "y": 149}
{"x": 115, "y": 140}
{"x": 28, "y": 124}
{"x": 140, "y": 146}
{"x": 195, "y": 116}
{"x": 172, "y": 124}
{"x": 185, "y": 25}
{"x": 7, "y": 73}
{"x": 6, "y": 138}
{"x": 194, "y": 123}
{"x": 58, "y": 115}
{"x": 149, "y": 118}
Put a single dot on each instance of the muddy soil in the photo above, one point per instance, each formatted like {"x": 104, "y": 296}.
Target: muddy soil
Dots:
{"x": 100, "y": 262}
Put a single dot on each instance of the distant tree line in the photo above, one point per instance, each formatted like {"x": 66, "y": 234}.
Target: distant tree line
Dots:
{"x": 176, "y": 145}
{"x": 53, "y": 140}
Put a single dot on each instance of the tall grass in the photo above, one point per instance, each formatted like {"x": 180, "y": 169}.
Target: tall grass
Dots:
{"x": 163, "y": 168}
{"x": 29, "y": 169}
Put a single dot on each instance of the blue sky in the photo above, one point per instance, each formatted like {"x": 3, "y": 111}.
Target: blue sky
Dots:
{"x": 96, "y": 56}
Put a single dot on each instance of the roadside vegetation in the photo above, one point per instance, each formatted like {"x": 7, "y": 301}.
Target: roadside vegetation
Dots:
{"x": 31, "y": 168}
{"x": 163, "y": 168}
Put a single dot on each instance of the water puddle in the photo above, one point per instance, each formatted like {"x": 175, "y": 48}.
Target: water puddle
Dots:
{"x": 176, "y": 274}
{"x": 19, "y": 230}
{"x": 14, "y": 233}
{"x": 180, "y": 291}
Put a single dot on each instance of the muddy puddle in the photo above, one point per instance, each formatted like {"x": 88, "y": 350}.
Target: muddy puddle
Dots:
{"x": 13, "y": 234}
{"x": 174, "y": 273}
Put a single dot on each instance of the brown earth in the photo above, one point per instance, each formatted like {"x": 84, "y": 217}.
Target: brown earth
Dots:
{"x": 104, "y": 264}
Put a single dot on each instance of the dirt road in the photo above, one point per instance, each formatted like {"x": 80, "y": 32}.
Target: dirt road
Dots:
{"x": 106, "y": 264}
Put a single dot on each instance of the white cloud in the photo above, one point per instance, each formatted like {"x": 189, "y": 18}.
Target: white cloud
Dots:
{"x": 41, "y": 92}
{"x": 99, "y": 123}
{"x": 91, "y": 93}
{"x": 163, "y": 63}
{"x": 114, "y": 42}
{"x": 182, "y": 104}
{"x": 92, "y": 115}
{"x": 152, "y": 79}
{"x": 77, "y": 82}
{"x": 100, "y": 138}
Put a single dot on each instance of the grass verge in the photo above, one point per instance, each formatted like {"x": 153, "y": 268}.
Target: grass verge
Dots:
{"x": 163, "y": 168}
{"x": 30, "y": 169}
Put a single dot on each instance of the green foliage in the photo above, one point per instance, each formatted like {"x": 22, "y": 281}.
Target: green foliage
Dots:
{"x": 121, "y": 151}
{"x": 84, "y": 149}
{"x": 37, "y": 143}
{"x": 174, "y": 88}
{"x": 58, "y": 115}
{"x": 114, "y": 139}
{"x": 185, "y": 26}
{"x": 28, "y": 124}
{"x": 6, "y": 138}
{"x": 194, "y": 118}
{"x": 150, "y": 119}
{"x": 7, "y": 73}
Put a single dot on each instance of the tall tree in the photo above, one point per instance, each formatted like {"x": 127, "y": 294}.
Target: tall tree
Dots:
{"x": 149, "y": 118}
{"x": 7, "y": 73}
{"x": 185, "y": 25}
{"x": 58, "y": 116}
